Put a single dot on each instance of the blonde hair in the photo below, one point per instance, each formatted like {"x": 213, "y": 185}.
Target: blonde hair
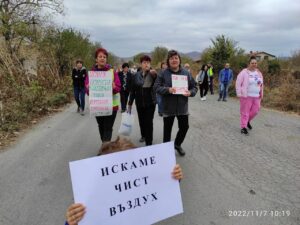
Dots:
{"x": 120, "y": 144}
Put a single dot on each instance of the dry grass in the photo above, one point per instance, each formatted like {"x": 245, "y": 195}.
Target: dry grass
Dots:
{"x": 25, "y": 97}
{"x": 285, "y": 96}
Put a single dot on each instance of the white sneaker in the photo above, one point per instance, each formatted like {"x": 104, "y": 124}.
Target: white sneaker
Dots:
{"x": 204, "y": 98}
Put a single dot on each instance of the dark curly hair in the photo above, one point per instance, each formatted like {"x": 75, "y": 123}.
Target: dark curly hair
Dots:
{"x": 145, "y": 58}
{"x": 125, "y": 65}
{"x": 171, "y": 53}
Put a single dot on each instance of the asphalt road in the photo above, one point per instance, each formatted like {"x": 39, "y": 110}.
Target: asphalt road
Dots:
{"x": 230, "y": 179}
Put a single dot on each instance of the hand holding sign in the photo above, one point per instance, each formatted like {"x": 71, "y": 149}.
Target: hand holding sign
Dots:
{"x": 187, "y": 93}
{"x": 172, "y": 90}
{"x": 177, "y": 172}
{"x": 75, "y": 213}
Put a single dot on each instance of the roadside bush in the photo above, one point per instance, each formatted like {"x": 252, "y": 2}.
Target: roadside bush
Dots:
{"x": 286, "y": 96}
{"x": 58, "y": 99}
{"x": 274, "y": 67}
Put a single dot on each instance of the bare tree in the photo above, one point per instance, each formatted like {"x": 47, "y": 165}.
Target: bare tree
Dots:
{"x": 17, "y": 16}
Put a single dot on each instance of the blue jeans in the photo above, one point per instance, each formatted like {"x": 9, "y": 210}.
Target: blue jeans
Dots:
{"x": 223, "y": 90}
{"x": 159, "y": 103}
{"x": 79, "y": 94}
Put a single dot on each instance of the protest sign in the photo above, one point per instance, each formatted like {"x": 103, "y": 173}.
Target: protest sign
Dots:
{"x": 180, "y": 83}
{"x": 100, "y": 87}
{"x": 132, "y": 187}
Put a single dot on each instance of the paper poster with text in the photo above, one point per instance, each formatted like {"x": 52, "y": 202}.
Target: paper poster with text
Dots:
{"x": 132, "y": 187}
{"x": 100, "y": 98}
{"x": 180, "y": 83}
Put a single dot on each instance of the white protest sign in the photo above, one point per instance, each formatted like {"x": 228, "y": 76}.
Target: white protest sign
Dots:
{"x": 100, "y": 87}
{"x": 180, "y": 83}
{"x": 133, "y": 187}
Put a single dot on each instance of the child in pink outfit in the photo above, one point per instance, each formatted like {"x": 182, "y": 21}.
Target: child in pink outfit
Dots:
{"x": 249, "y": 88}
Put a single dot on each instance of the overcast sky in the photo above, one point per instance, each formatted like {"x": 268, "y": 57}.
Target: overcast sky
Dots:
{"x": 128, "y": 27}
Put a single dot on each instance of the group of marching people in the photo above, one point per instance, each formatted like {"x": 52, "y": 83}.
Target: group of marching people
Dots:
{"x": 248, "y": 85}
{"x": 147, "y": 87}
{"x": 144, "y": 87}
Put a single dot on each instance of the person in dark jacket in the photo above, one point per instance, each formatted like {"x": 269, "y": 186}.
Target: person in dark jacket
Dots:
{"x": 79, "y": 74}
{"x": 143, "y": 93}
{"x": 125, "y": 78}
{"x": 175, "y": 104}
{"x": 163, "y": 66}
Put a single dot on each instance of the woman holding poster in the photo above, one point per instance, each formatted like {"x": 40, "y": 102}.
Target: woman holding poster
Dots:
{"x": 175, "y": 84}
{"x": 103, "y": 105}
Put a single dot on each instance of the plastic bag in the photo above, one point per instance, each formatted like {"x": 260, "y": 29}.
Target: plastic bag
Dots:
{"x": 127, "y": 122}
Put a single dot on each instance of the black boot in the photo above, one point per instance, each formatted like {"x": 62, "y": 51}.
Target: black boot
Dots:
{"x": 244, "y": 131}
{"x": 180, "y": 151}
{"x": 249, "y": 126}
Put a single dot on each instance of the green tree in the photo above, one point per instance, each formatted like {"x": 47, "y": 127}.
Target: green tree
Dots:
{"x": 68, "y": 45}
{"x": 159, "y": 54}
{"x": 206, "y": 55}
{"x": 223, "y": 48}
{"x": 136, "y": 58}
{"x": 112, "y": 59}
{"x": 131, "y": 63}
{"x": 274, "y": 67}
{"x": 238, "y": 61}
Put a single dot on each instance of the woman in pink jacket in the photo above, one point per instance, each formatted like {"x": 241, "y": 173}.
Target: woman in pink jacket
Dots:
{"x": 249, "y": 88}
{"x": 106, "y": 123}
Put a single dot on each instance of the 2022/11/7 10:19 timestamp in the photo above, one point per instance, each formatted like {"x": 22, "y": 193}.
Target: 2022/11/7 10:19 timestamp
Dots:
{"x": 258, "y": 213}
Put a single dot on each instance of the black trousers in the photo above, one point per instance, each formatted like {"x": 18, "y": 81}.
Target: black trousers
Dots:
{"x": 124, "y": 99}
{"x": 203, "y": 89}
{"x": 105, "y": 125}
{"x": 183, "y": 125}
{"x": 146, "y": 115}
{"x": 211, "y": 85}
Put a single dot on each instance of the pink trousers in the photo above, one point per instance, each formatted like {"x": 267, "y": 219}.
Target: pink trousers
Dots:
{"x": 249, "y": 107}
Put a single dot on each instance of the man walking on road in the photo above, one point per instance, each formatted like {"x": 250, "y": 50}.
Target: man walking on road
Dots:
{"x": 79, "y": 74}
{"x": 225, "y": 79}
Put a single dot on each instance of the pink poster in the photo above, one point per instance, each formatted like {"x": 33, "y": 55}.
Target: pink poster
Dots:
{"x": 100, "y": 98}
